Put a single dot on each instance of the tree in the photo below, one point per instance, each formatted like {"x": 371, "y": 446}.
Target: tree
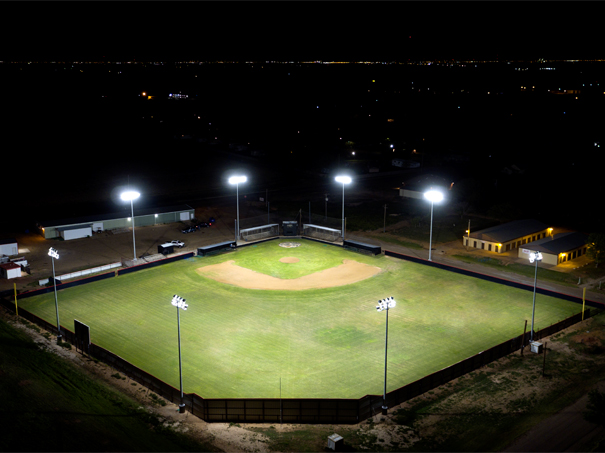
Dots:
{"x": 596, "y": 247}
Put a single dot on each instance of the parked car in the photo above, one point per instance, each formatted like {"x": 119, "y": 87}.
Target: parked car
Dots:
{"x": 188, "y": 230}
{"x": 203, "y": 225}
{"x": 178, "y": 243}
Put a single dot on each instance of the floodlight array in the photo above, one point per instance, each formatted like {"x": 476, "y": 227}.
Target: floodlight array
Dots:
{"x": 533, "y": 256}
{"x": 53, "y": 252}
{"x": 179, "y": 302}
{"x": 385, "y": 304}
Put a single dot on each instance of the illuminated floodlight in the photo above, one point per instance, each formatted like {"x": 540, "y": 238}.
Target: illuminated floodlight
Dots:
{"x": 179, "y": 302}
{"x": 130, "y": 195}
{"x": 55, "y": 256}
{"x": 237, "y": 179}
{"x": 385, "y": 304}
{"x": 535, "y": 256}
{"x": 433, "y": 196}
{"x": 343, "y": 179}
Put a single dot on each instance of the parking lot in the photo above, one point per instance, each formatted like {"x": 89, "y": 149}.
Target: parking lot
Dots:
{"x": 104, "y": 248}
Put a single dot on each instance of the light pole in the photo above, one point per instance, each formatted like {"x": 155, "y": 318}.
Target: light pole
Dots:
{"x": 131, "y": 195}
{"x": 534, "y": 256}
{"x": 236, "y": 180}
{"x": 179, "y": 302}
{"x": 433, "y": 196}
{"x": 385, "y": 304}
{"x": 344, "y": 180}
{"x": 54, "y": 255}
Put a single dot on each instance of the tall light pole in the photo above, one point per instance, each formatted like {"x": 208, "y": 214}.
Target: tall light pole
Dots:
{"x": 534, "y": 256}
{"x": 236, "y": 180}
{"x": 54, "y": 255}
{"x": 131, "y": 195}
{"x": 344, "y": 180}
{"x": 434, "y": 196}
{"x": 179, "y": 302}
{"x": 385, "y": 304}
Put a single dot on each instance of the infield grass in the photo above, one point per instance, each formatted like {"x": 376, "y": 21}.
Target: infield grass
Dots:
{"x": 238, "y": 342}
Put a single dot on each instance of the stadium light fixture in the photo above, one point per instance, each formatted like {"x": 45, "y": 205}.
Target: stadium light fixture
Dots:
{"x": 236, "y": 180}
{"x": 385, "y": 304}
{"x": 131, "y": 195}
{"x": 434, "y": 196}
{"x": 179, "y": 303}
{"x": 344, "y": 180}
{"x": 534, "y": 257}
{"x": 54, "y": 255}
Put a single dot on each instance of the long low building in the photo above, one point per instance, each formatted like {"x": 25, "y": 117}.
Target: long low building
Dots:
{"x": 82, "y": 227}
{"x": 508, "y": 236}
{"x": 557, "y": 249}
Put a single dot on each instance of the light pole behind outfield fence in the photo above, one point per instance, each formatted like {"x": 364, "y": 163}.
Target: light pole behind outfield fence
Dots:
{"x": 534, "y": 256}
{"x": 55, "y": 255}
{"x": 236, "y": 180}
{"x": 385, "y": 304}
{"x": 179, "y": 303}
{"x": 344, "y": 180}
{"x": 433, "y": 196}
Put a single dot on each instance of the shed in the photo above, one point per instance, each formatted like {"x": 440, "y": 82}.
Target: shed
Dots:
{"x": 75, "y": 231}
{"x": 508, "y": 236}
{"x": 10, "y": 270}
{"x": 558, "y": 248}
{"x": 8, "y": 247}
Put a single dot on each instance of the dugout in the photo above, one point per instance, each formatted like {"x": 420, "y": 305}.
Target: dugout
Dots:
{"x": 290, "y": 227}
{"x": 363, "y": 247}
{"x": 227, "y": 245}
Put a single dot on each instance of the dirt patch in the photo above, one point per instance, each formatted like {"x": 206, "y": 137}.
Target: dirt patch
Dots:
{"x": 289, "y": 259}
{"x": 348, "y": 272}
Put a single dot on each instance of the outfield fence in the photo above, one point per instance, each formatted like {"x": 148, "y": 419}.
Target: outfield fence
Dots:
{"x": 299, "y": 410}
{"x": 307, "y": 410}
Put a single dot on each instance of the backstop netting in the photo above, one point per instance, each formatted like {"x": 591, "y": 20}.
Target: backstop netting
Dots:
{"x": 321, "y": 232}
{"x": 259, "y": 232}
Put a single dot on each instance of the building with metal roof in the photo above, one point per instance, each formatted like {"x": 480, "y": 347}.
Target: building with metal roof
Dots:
{"x": 557, "y": 249}
{"x": 508, "y": 236}
{"x": 81, "y": 227}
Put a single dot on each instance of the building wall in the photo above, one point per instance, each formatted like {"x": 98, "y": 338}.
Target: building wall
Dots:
{"x": 145, "y": 220}
{"x": 554, "y": 259}
{"x": 503, "y": 247}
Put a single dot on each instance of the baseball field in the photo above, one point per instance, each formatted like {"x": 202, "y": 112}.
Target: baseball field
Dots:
{"x": 305, "y": 316}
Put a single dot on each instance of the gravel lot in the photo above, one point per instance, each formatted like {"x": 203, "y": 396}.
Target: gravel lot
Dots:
{"x": 106, "y": 248}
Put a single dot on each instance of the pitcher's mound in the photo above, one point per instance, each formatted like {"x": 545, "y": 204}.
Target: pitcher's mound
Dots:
{"x": 289, "y": 259}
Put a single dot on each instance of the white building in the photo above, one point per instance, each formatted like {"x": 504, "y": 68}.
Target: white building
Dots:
{"x": 10, "y": 270}
{"x": 8, "y": 247}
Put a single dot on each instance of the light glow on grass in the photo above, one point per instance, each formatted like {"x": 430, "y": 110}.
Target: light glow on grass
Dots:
{"x": 322, "y": 342}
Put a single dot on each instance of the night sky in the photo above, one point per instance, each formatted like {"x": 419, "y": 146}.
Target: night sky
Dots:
{"x": 51, "y": 121}
{"x": 302, "y": 30}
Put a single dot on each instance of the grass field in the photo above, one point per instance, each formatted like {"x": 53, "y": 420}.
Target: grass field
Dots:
{"x": 238, "y": 342}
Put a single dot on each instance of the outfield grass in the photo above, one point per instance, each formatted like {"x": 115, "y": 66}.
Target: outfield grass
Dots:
{"x": 238, "y": 342}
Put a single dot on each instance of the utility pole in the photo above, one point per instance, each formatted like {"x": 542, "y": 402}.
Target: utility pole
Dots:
{"x": 326, "y": 207}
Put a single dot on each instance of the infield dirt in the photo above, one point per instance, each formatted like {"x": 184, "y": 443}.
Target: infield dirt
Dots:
{"x": 349, "y": 272}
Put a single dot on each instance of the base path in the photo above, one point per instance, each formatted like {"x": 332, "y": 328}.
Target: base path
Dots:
{"x": 348, "y": 272}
